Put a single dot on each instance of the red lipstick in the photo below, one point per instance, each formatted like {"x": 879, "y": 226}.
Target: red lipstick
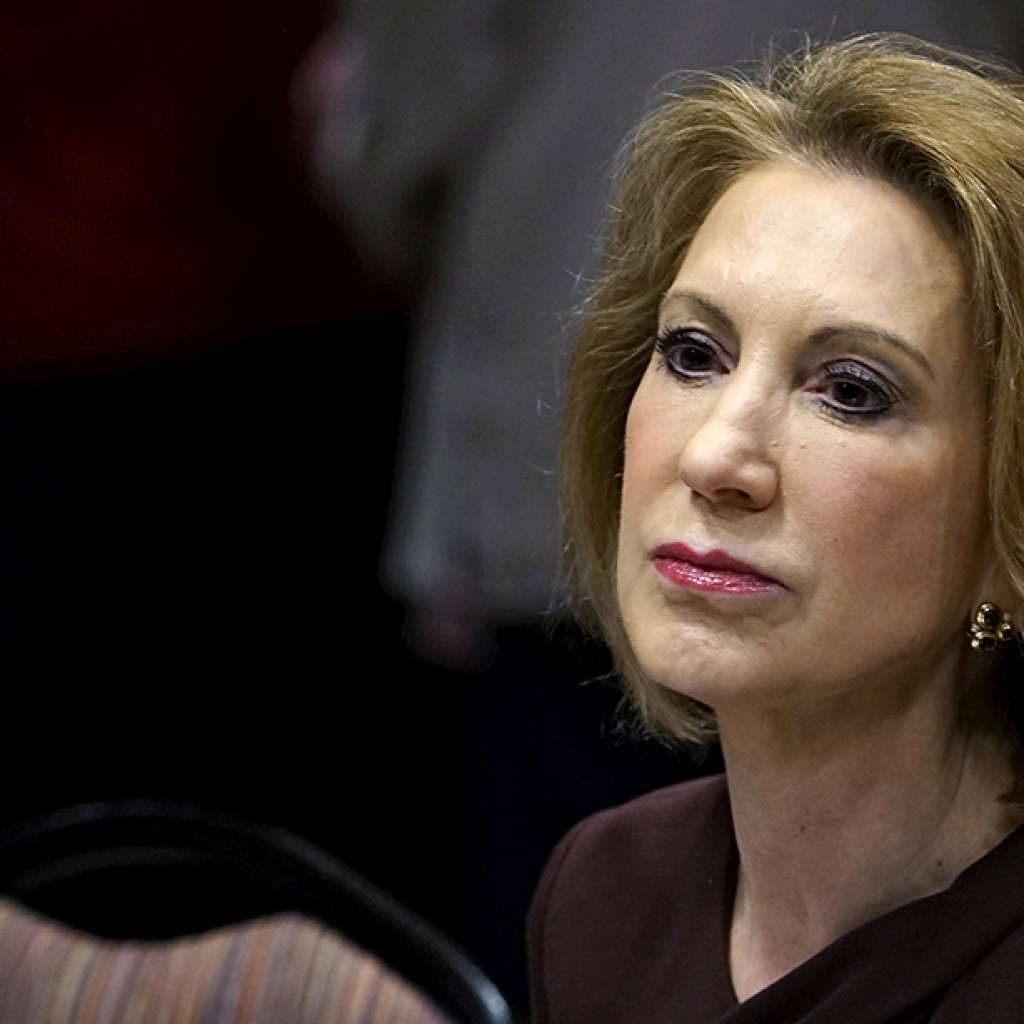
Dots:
{"x": 711, "y": 572}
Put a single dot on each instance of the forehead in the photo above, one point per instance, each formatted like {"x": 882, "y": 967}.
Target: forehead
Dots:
{"x": 788, "y": 240}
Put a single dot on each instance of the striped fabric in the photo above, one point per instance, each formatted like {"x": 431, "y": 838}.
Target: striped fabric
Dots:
{"x": 284, "y": 969}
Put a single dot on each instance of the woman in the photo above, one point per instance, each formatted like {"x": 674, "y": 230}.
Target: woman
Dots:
{"x": 794, "y": 434}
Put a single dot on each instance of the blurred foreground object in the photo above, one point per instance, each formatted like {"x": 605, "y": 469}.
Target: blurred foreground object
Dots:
{"x": 170, "y": 906}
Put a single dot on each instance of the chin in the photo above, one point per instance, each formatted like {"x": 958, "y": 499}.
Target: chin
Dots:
{"x": 718, "y": 672}
{"x": 694, "y": 674}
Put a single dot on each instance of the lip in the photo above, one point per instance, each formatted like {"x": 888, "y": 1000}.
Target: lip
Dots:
{"x": 713, "y": 571}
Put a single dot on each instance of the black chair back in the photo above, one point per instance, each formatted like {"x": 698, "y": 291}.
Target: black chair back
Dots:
{"x": 150, "y": 868}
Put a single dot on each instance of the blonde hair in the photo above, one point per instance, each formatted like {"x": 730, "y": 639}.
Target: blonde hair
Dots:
{"x": 945, "y": 126}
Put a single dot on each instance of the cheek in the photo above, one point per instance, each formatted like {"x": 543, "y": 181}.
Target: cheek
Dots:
{"x": 650, "y": 469}
{"x": 902, "y": 522}
{"x": 654, "y": 437}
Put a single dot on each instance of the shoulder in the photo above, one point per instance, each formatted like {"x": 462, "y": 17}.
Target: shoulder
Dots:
{"x": 645, "y": 829}
{"x": 638, "y": 850}
{"x": 668, "y": 808}
{"x": 624, "y": 887}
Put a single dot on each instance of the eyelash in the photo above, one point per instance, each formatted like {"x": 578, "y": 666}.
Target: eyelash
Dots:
{"x": 848, "y": 372}
{"x": 671, "y": 343}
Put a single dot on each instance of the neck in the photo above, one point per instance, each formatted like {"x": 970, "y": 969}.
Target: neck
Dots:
{"x": 837, "y": 826}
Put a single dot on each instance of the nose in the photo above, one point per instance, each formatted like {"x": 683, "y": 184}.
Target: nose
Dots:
{"x": 731, "y": 459}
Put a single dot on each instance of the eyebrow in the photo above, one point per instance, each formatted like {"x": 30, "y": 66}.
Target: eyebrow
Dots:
{"x": 853, "y": 327}
{"x": 708, "y": 307}
{"x": 819, "y": 336}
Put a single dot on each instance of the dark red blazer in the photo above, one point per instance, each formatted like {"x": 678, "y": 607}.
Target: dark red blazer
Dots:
{"x": 630, "y": 921}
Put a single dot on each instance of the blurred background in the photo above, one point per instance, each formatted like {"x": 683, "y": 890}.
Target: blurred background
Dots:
{"x": 286, "y": 291}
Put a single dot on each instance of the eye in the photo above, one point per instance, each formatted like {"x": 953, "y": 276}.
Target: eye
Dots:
{"x": 689, "y": 355}
{"x": 851, "y": 390}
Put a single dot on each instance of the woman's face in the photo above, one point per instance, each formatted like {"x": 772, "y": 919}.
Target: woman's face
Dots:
{"x": 803, "y": 506}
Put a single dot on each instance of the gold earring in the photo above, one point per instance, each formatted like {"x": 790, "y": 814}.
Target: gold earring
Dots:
{"x": 991, "y": 626}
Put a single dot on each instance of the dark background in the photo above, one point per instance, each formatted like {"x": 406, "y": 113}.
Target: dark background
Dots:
{"x": 200, "y": 384}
